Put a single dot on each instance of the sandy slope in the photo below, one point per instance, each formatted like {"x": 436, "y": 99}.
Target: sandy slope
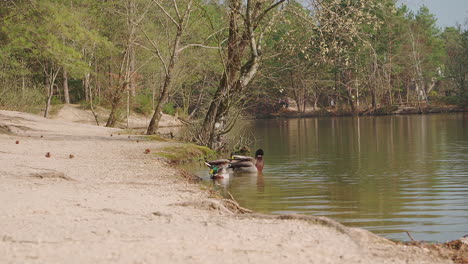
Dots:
{"x": 112, "y": 203}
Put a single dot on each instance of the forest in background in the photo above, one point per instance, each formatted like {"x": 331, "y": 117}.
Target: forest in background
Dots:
{"x": 212, "y": 62}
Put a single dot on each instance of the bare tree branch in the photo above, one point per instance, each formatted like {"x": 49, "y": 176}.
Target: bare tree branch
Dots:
{"x": 143, "y": 15}
{"x": 260, "y": 17}
{"x": 155, "y": 46}
{"x": 165, "y": 12}
{"x": 215, "y": 33}
{"x": 142, "y": 65}
{"x": 197, "y": 45}
{"x": 176, "y": 9}
{"x": 187, "y": 13}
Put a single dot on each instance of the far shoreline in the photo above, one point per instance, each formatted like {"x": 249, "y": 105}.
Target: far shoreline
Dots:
{"x": 383, "y": 111}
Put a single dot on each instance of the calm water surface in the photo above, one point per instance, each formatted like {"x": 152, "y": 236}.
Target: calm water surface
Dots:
{"x": 386, "y": 174}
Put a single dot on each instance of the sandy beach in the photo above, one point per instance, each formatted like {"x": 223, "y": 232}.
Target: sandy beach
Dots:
{"x": 99, "y": 198}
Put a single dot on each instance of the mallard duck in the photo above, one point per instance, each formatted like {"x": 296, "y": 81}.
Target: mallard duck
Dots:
{"x": 219, "y": 168}
{"x": 243, "y": 164}
{"x": 248, "y": 164}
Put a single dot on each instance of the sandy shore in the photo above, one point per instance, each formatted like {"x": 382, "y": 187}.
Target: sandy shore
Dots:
{"x": 111, "y": 203}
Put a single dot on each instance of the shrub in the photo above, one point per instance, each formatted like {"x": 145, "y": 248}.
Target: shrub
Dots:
{"x": 456, "y": 100}
{"x": 30, "y": 100}
{"x": 169, "y": 108}
{"x": 55, "y": 100}
{"x": 143, "y": 104}
{"x": 84, "y": 105}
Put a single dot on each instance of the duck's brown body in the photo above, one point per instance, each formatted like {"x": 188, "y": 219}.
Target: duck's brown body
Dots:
{"x": 248, "y": 164}
{"x": 242, "y": 164}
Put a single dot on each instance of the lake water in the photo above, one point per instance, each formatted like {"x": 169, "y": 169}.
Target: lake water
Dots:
{"x": 388, "y": 174}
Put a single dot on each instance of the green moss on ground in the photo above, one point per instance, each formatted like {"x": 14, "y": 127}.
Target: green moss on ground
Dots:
{"x": 156, "y": 138}
{"x": 182, "y": 153}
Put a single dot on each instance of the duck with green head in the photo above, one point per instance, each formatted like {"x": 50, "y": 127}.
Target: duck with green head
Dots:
{"x": 219, "y": 168}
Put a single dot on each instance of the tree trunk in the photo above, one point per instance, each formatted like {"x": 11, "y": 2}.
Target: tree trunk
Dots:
{"x": 407, "y": 92}
{"x": 374, "y": 83}
{"x": 418, "y": 94}
{"x": 304, "y": 101}
{"x": 51, "y": 76}
{"x": 349, "y": 90}
{"x": 50, "y": 92}
{"x": 154, "y": 123}
{"x": 216, "y": 112}
{"x": 66, "y": 93}
{"x": 91, "y": 103}
{"x": 123, "y": 82}
{"x": 132, "y": 85}
{"x": 92, "y": 111}
{"x": 350, "y": 100}
{"x": 374, "y": 98}
{"x": 115, "y": 102}
{"x": 357, "y": 94}
{"x": 180, "y": 27}
{"x": 128, "y": 108}
{"x": 206, "y": 137}
{"x": 237, "y": 75}
{"x": 86, "y": 86}
{"x": 296, "y": 93}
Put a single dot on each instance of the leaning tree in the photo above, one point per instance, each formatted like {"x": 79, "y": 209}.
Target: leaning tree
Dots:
{"x": 248, "y": 22}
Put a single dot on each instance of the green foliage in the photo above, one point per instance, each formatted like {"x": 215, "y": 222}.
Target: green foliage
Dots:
{"x": 456, "y": 100}
{"x": 85, "y": 105}
{"x": 143, "y": 104}
{"x": 429, "y": 42}
{"x": 29, "y": 100}
{"x": 433, "y": 93}
{"x": 156, "y": 138}
{"x": 55, "y": 100}
{"x": 169, "y": 108}
{"x": 40, "y": 32}
{"x": 42, "y": 38}
{"x": 456, "y": 61}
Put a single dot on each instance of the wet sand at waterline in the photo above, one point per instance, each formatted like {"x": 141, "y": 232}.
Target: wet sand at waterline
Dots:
{"x": 101, "y": 199}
